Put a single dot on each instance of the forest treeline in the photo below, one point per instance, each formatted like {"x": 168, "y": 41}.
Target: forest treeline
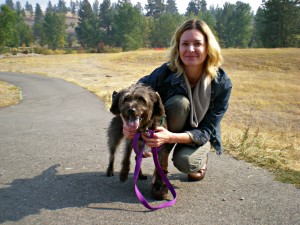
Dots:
{"x": 126, "y": 26}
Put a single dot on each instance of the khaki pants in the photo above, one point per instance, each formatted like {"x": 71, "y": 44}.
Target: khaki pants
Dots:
{"x": 187, "y": 158}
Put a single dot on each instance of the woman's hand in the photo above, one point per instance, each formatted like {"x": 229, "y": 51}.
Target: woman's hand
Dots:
{"x": 160, "y": 137}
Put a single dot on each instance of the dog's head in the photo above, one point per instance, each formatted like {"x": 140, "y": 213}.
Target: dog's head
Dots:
{"x": 140, "y": 106}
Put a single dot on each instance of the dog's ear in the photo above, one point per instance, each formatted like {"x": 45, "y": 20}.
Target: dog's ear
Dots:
{"x": 114, "y": 109}
{"x": 158, "y": 109}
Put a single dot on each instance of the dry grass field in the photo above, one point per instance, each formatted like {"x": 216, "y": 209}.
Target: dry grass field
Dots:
{"x": 262, "y": 125}
{"x": 9, "y": 94}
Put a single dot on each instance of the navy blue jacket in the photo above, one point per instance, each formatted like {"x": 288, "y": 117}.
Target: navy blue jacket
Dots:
{"x": 167, "y": 84}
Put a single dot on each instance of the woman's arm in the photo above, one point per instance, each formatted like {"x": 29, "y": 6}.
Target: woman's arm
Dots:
{"x": 162, "y": 136}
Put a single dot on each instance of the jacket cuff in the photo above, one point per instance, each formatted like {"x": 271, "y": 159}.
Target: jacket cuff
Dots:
{"x": 196, "y": 137}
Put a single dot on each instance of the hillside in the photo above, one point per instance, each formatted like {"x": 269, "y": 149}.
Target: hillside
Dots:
{"x": 70, "y": 19}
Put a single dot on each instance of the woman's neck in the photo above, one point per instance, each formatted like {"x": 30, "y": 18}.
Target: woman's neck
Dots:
{"x": 193, "y": 74}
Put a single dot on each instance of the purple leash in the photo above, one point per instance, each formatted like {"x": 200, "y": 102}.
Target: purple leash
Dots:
{"x": 139, "y": 153}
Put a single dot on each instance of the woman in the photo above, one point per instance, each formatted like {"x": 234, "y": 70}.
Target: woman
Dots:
{"x": 195, "y": 92}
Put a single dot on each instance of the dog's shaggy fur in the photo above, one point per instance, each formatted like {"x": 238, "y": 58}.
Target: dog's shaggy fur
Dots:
{"x": 142, "y": 109}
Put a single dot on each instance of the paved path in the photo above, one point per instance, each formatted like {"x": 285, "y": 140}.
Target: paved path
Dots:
{"x": 53, "y": 157}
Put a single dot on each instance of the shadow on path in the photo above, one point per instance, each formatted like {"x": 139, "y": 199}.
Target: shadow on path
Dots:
{"x": 52, "y": 191}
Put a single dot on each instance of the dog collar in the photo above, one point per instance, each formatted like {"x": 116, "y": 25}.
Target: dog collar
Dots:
{"x": 163, "y": 120}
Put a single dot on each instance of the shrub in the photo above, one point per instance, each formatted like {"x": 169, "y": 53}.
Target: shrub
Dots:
{"x": 109, "y": 49}
{"x": 80, "y": 51}
{"x": 14, "y": 51}
{"x": 4, "y": 50}
{"x": 92, "y": 50}
{"x": 58, "y": 52}
{"x": 70, "y": 51}
{"x": 46, "y": 51}
{"x": 38, "y": 50}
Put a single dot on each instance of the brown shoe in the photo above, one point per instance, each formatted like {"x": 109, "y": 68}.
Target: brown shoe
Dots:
{"x": 200, "y": 174}
{"x": 197, "y": 176}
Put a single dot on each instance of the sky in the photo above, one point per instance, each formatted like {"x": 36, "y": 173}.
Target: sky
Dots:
{"x": 181, "y": 4}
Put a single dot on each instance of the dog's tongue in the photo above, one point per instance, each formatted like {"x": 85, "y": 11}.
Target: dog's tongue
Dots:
{"x": 134, "y": 122}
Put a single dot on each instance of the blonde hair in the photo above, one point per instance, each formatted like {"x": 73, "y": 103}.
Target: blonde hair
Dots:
{"x": 214, "y": 57}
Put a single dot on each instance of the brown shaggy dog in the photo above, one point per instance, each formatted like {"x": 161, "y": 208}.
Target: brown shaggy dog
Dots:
{"x": 141, "y": 108}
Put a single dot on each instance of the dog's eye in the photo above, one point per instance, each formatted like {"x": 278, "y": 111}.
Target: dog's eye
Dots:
{"x": 141, "y": 99}
{"x": 127, "y": 98}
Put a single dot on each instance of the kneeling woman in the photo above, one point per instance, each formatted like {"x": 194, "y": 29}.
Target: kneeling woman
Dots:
{"x": 195, "y": 92}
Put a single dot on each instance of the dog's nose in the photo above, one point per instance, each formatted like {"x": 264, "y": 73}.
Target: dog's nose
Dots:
{"x": 131, "y": 111}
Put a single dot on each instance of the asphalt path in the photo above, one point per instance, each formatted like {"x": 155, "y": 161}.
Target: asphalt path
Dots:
{"x": 53, "y": 157}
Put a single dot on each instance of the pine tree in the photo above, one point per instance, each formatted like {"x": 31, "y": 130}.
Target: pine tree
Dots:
{"x": 18, "y": 7}
{"x": 279, "y": 23}
{"x": 243, "y": 28}
{"x": 96, "y": 7}
{"x": 258, "y": 28}
{"x": 106, "y": 17}
{"x": 49, "y": 8}
{"x": 22, "y": 33}
{"x": 88, "y": 30}
{"x": 192, "y": 8}
{"x": 54, "y": 27}
{"x": 7, "y": 21}
{"x": 203, "y": 6}
{"x": 171, "y": 7}
{"x": 38, "y": 24}
{"x": 234, "y": 24}
{"x": 127, "y": 27}
{"x": 163, "y": 29}
{"x": 73, "y": 7}
{"x": 139, "y": 7}
{"x": 10, "y": 4}
{"x": 209, "y": 19}
{"x": 61, "y": 7}
{"x": 155, "y": 8}
{"x": 28, "y": 8}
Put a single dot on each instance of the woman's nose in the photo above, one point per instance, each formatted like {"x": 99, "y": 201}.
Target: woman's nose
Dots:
{"x": 191, "y": 48}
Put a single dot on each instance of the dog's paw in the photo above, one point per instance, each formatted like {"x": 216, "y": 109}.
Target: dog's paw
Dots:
{"x": 123, "y": 177}
{"x": 142, "y": 176}
{"x": 109, "y": 173}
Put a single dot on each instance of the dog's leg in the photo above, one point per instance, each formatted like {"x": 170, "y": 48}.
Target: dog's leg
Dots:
{"x": 115, "y": 136}
{"x": 141, "y": 175}
{"x": 159, "y": 190}
{"x": 126, "y": 161}
{"x": 110, "y": 168}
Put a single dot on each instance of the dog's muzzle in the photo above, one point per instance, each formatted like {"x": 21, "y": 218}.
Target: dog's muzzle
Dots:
{"x": 134, "y": 122}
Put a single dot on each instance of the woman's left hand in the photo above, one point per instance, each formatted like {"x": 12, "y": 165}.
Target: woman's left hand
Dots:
{"x": 160, "y": 137}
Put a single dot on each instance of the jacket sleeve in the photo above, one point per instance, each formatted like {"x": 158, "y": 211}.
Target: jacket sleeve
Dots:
{"x": 206, "y": 130}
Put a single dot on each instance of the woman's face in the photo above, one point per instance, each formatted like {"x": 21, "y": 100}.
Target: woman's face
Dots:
{"x": 192, "y": 48}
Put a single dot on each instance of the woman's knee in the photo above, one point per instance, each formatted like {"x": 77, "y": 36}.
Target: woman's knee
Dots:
{"x": 186, "y": 164}
{"x": 187, "y": 159}
{"x": 177, "y": 110}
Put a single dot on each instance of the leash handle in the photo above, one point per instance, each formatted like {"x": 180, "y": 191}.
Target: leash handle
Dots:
{"x": 139, "y": 158}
